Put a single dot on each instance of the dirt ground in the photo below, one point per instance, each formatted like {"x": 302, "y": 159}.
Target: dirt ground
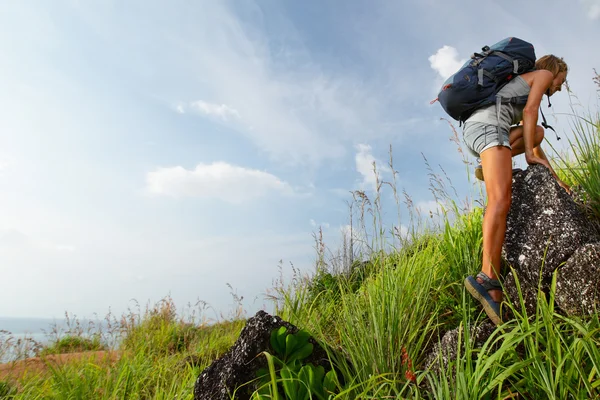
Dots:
{"x": 39, "y": 365}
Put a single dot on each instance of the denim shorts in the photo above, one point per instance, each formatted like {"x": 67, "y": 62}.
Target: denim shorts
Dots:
{"x": 479, "y": 136}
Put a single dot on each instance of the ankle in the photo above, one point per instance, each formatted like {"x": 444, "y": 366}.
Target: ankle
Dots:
{"x": 496, "y": 295}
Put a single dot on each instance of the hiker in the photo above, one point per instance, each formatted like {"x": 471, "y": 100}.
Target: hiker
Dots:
{"x": 490, "y": 135}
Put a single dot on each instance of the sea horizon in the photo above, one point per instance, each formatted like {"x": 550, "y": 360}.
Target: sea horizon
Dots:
{"x": 20, "y": 325}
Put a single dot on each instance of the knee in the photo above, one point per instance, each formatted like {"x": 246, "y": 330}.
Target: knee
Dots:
{"x": 539, "y": 135}
{"x": 499, "y": 205}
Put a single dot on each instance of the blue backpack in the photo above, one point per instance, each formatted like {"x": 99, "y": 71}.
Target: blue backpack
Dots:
{"x": 478, "y": 81}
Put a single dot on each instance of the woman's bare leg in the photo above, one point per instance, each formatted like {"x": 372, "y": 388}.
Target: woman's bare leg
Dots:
{"x": 497, "y": 169}
{"x": 516, "y": 139}
{"x": 518, "y": 147}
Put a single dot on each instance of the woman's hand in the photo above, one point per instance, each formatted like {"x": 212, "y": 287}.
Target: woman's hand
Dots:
{"x": 564, "y": 185}
{"x": 537, "y": 160}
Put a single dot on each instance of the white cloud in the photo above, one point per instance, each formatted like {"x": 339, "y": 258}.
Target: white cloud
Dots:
{"x": 354, "y": 233}
{"x": 222, "y": 111}
{"x": 6, "y": 162}
{"x": 65, "y": 247}
{"x": 15, "y": 240}
{"x": 592, "y": 8}
{"x": 358, "y": 236}
{"x": 364, "y": 165}
{"x": 180, "y": 108}
{"x": 324, "y": 225}
{"x": 218, "y": 180}
{"x": 427, "y": 208}
{"x": 347, "y": 231}
{"x": 295, "y": 105}
{"x": 446, "y": 62}
{"x": 403, "y": 231}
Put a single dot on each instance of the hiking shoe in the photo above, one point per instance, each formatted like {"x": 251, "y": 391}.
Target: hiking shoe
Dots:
{"x": 480, "y": 292}
{"x": 479, "y": 172}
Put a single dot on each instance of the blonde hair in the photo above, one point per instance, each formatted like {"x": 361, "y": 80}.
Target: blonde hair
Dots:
{"x": 552, "y": 63}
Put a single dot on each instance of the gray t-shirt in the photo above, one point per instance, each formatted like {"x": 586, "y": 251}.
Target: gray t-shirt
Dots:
{"x": 510, "y": 114}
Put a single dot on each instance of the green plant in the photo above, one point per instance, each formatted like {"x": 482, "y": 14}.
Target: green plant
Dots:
{"x": 7, "y": 390}
{"x": 291, "y": 347}
{"x": 73, "y": 344}
{"x": 581, "y": 166}
{"x": 287, "y": 376}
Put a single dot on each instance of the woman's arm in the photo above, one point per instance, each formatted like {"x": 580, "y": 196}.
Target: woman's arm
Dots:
{"x": 541, "y": 81}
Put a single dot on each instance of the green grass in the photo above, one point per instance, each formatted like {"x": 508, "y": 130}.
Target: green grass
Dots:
{"x": 7, "y": 390}
{"x": 379, "y": 312}
{"x": 160, "y": 357}
{"x": 580, "y": 167}
{"x": 73, "y": 344}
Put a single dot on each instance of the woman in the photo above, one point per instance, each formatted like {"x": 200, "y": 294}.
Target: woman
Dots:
{"x": 488, "y": 135}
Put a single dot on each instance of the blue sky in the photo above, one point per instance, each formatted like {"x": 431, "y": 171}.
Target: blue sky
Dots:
{"x": 149, "y": 149}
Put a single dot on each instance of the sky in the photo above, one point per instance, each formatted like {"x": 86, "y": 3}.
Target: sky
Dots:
{"x": 193, "y": 149}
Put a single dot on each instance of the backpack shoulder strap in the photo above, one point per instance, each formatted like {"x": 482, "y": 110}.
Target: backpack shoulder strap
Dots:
{"x": 508, "y": 58}
{"x": 523, "y": 100}
{"x": 509, "y": 100}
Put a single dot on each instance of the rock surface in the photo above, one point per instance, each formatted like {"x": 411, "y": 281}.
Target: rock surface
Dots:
{"x": 546, "y": 230}
{"x": 446, "y": 349}
{"x": 528, "y": 292}
{"x": 239, "y": 365}
{"x": 544, "y": 226}
{"x": 578, "y": 282}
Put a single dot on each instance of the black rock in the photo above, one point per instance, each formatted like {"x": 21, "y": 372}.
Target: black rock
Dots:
{"x": 544, "y": 226}
{"x": 239, "y": 365}
{"x": 529, "y": 293}
{"x": 446, "y": 349}
{"x": 578, "y": 282}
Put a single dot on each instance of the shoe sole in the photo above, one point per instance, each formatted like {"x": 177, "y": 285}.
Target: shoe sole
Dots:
{"x": 479, "y": 173}
{"x": 483, "y": 301}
